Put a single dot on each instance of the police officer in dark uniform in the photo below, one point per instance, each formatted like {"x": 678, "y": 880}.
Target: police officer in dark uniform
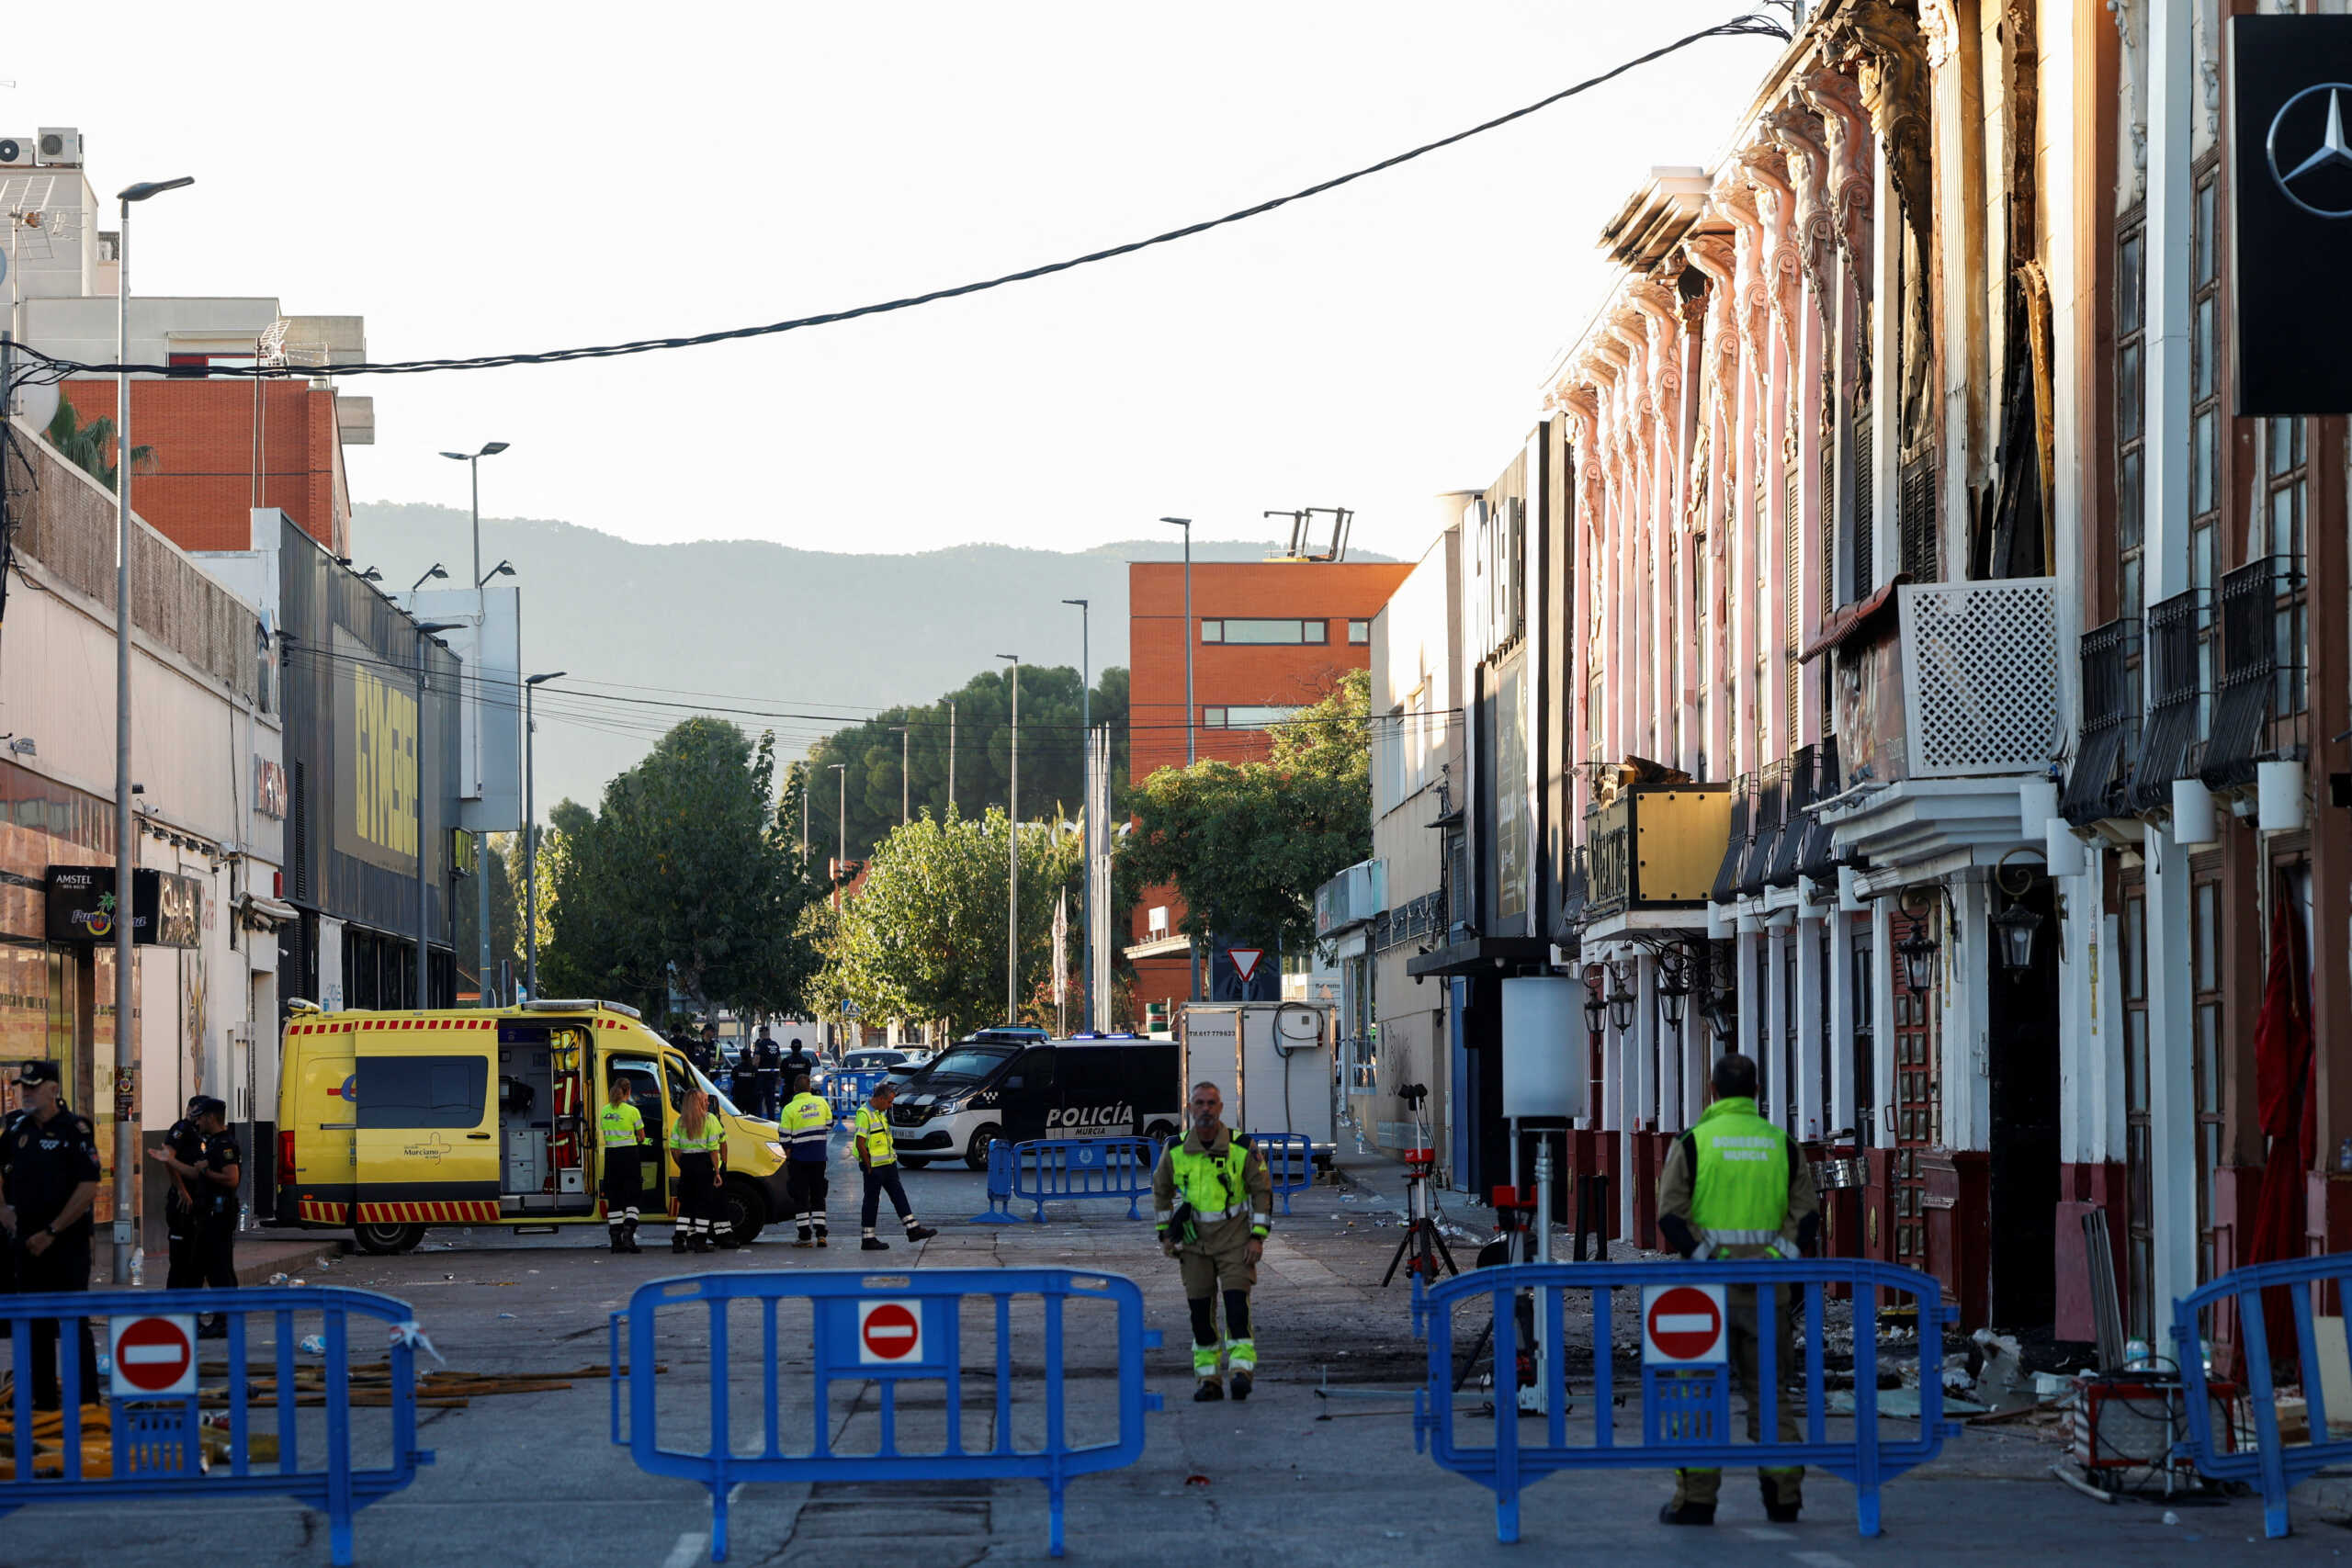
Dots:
{"x": 8, "y": 1120}
{"x": 186, "y": 1141}
{"x": 211, "y": 1181}
{"x": 49, "y": 1180}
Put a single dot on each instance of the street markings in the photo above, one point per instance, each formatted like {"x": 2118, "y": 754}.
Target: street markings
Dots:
{"x": 687, "y": 1552}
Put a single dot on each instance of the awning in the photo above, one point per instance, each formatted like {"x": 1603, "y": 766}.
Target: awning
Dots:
{"x": 268, "y": 911}
{"x": 1848, "y": 619}
{"x": 1478, "y": 955}
{"x": 1159, "y": 947}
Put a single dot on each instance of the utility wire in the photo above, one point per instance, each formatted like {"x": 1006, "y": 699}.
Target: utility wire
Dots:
{"x": 1752, "y": 25}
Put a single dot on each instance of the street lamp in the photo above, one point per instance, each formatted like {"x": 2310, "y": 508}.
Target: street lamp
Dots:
{"x": 531, "y": 835}
{"x": 126, "y": 841}
{"x": 1917, "y": 951}
{"x": 504, "y": 568}
{"x": 1012, "y": 858}
{"x": 1086, "y": 729}
{"x": 373, "y": 574}
{"x": 473, "y": 464}
{"x": 1596, "y": 1011}
{"x": 436, "y": 570}
{"x": 841, "y": 832}
{"x": 1191, "y": 714}
{"x": 423, "y": 930}
{"x": 1621, "y": 1001}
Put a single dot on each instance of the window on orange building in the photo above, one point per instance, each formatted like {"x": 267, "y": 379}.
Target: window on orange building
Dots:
{"x": 1359, "y": 633}
{"x": 1264, "y": 633}
{"x": 1245, "y": 718}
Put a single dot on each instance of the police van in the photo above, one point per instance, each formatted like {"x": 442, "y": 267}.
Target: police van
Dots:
{"x": 392, "y": 1122}
{"x": 1020, "y": 1084}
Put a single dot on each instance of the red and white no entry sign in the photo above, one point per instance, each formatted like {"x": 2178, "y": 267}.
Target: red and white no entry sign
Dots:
{"x": 888, "y": 1332}
{"x": 1683, "y": 1323}
{"x": 153, "y": 1356}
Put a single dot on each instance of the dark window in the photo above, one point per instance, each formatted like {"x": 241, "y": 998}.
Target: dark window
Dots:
{"x": 422, "y": 1091}
{"x": 2129, "y": 509}
{"x": 2205, "y": 430}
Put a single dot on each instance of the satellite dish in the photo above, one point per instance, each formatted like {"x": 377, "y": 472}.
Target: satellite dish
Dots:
{"x": 36, "y": 406}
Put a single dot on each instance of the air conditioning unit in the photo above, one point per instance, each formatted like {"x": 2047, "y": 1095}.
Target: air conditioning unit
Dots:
{"x": 16, "y": 152}
{"x": 58, "y": 144}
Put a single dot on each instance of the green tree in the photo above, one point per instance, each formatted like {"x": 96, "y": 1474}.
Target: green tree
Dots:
{"x": 1246, "y": 845}
{"x": 923, "y": 939}
{"x": 505, "y": 917}
{"x": 1053, "y": 754}
{"x": 90, "y": 448}
{"x": 687, "y": 876}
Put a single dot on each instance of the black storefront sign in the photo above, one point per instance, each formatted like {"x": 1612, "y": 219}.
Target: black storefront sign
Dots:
{"x": 168, "y": 909}
{"x": 2291, "y": 88}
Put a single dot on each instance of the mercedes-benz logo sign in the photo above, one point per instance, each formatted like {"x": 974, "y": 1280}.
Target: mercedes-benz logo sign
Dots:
{"x": 2312, "y": 163}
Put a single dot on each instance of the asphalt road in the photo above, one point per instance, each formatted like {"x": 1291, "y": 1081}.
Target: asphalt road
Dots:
{"x": 1291, "y": 1476}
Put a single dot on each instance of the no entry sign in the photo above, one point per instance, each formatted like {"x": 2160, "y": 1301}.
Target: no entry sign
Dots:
{"x": 153, "y": 1357}
{"x": 890, "y": 1332}
{"x": 1682, "y": 1324}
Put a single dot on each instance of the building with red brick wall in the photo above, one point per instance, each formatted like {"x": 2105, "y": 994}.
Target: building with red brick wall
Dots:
{"x": 1267, "y": 637}
{"x": 222, "y": 447}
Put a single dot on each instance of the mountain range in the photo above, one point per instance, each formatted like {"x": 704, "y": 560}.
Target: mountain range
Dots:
{"x": 802, "y": 642}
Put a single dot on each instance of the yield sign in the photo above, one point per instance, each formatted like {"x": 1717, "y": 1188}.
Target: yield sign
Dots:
{"x": 1683, "y": 1323}
{"x": 888, "y": 1332}
{"x": 153, "y": 1356}
{"x": 1245, "y": 962}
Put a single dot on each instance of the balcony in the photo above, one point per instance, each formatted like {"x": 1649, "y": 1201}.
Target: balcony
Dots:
{"x": 1656, "y": 848}
{"x": 2096, "y": 786}
{"x": 1739, "y": 833}
{"x": 2176, "y": 700}
{"x": 2247, "y": 724}
{"x": 1817, "y": 852}
{"x": 1796, "y": 817}
{"x": 1764, "y": 822}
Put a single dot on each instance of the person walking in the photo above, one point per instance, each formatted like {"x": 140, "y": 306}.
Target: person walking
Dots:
{"x": 877, "y": 1157}
{"x": 1212, "y": 1201}
{"x": 210, "y": 1183}
{"x": 620, "y": 1128}
{"x": 807, "y": 1128}
{"x": 1736, "y": 1186}
{"x": 184, "y": 1140}
{"x": 49, "y": 1183}
{"x": 699, "y": 1143}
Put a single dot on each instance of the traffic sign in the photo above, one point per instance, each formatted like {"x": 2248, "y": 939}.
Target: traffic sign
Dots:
{"x": 890, "y": 1332}
{"x": 1245, "y": 962}
{"x": 1682, "y": 1324}
{"x": 153, "y": 1357}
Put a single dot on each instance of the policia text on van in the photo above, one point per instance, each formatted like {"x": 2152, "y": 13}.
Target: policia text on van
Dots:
{"x": 392, "y": 1122}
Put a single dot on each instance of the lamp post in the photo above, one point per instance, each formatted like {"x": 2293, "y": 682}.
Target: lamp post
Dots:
{"x": 1012, "y": 858}
{"x": 1191, "y": 714}
{"x": 472, "y": 460}
{"x": 905, "y": 731}
{"x": 1086, "y": 730}
{"x": 436, "y": 570}
{"x": 473, "y": 465}
{"x": 841, "y": 831}
{"x": 424, "y": 862}
{"x": 126, "y": 843}
{"x": 531, "y": 835}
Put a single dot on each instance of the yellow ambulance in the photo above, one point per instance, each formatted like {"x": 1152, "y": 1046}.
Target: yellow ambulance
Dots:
{"x": 389, "y": 1123}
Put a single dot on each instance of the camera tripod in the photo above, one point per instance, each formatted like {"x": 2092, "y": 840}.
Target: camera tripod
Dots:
{"x": 1423, "y": 1244}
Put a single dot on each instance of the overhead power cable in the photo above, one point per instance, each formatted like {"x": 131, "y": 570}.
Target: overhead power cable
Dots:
{"x": 1752, "y": 25}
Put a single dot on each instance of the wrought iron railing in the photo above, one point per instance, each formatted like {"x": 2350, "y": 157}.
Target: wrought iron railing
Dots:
{"x": 2246, "y": 703}
{"x": 2176, "y": 697}
{"x": 1735, "y": 848}
{"x": 2094, "y": 786}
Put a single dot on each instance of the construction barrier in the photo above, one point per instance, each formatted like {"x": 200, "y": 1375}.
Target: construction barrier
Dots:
{"x": 1689, "y": 1314}
{"x": 897, "y": 1331}
{"x": 846, "y": 1091}
{"x": 2273, "y": 1464}
{"x": 999, "y": 1209}
{"x": 1047, "y": 1169}
{"x": 1290, "y": 1160}
{"x": 161, "y": 1427}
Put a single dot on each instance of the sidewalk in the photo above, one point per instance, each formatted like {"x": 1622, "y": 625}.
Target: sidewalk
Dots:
{"x": 260, "y": 1255}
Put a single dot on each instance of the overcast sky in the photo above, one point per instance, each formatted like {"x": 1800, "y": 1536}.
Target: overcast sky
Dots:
{"x": 477, "y": 178}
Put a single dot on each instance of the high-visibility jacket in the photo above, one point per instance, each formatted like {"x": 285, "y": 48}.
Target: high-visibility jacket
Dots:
{"x": 706, "y": 1142}
{"x": 1219, "y": 1182}
{"x": 874, "y": 1132}
{"x": 620, "y": 1125}
{"x": 1735, "y": 1185}
{"x": 807, "y": 1126}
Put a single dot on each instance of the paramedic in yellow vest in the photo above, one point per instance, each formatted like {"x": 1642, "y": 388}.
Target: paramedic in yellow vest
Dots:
{"x": 698, "y": 1143}
{"x": 1736, "y": 1186}
{"x": 877, "y": 1157}
{"x": 621, "y": 1129}
{"x": 1213, "y": 1201}
{"x": 807, "y": 1127}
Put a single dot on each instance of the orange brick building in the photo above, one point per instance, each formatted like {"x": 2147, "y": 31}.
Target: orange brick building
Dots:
{"x": 211, "y": 465}
{"x": 1267, "y": 637}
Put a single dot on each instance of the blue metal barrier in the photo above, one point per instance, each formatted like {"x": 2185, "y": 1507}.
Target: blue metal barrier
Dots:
{"x": 1076, "y": 1168}
{"x": 902, "y": 1330}
{"x": 2272, "y": 1465}
{"x": 160, "y": 1442}
{"x": 845, "y": 1091}
{"x": 999, "y": 1209}
{"x": 1290, "y": 1160}
{"x": 1685, "y": 1401}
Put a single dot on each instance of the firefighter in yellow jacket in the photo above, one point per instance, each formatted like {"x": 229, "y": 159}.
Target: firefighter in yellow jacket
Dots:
{"x": 1212, "y": 1201}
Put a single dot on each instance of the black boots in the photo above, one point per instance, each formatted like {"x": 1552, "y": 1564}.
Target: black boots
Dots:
{"x": 1209, "y": 1393}
{"x": 1688, "y": 1514}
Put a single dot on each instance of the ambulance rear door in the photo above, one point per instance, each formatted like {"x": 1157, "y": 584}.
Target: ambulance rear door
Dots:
{"x": 321, "y": 1111}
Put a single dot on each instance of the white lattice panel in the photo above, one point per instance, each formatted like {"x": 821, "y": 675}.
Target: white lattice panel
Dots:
{"x": 1980, "y": 676}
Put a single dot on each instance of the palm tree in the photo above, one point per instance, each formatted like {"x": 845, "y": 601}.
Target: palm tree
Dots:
{"x": 88, "y": 446}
